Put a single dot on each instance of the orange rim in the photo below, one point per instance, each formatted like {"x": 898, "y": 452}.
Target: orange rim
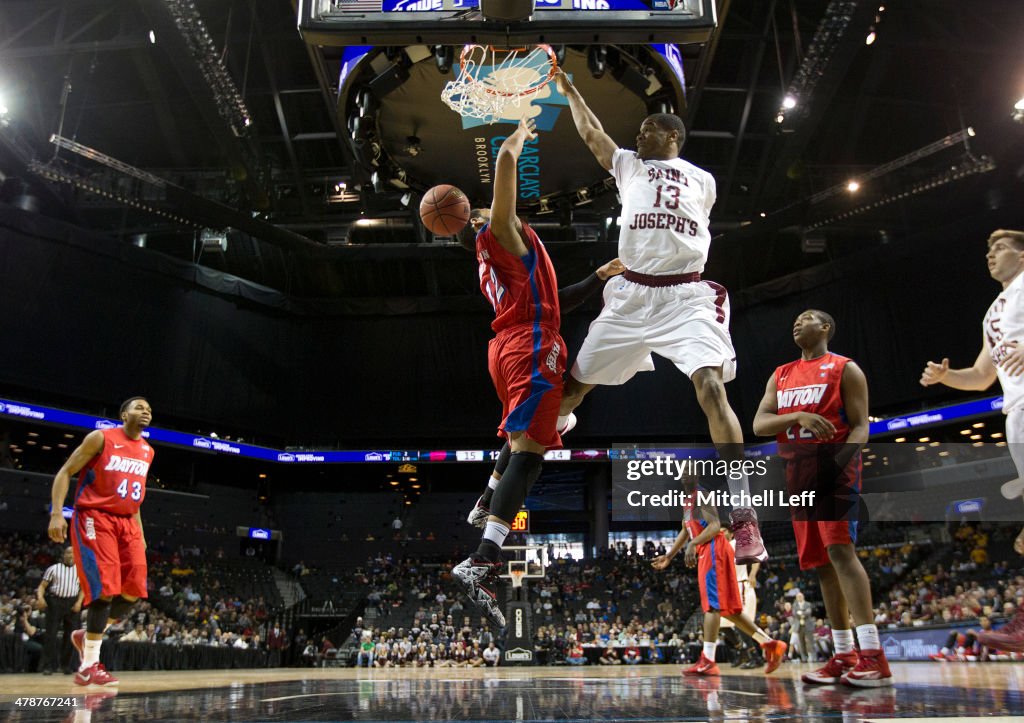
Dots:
{"x": 468, "y": 49}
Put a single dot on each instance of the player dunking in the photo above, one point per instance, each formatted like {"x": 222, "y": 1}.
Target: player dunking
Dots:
{"x": 526, "y": 359}
{"x": 709, "y": 551}
{"x": 106, "y": 528}
{"x": 822, "y": 399}
{"x": 660, "y": 304}
{"x": 1001, "y": 357}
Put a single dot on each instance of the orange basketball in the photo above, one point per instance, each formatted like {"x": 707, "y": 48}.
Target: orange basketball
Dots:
{"x": 444, "y": 210}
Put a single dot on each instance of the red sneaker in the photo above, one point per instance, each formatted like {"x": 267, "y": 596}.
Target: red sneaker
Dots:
{"x": 872, "y": 671}
{"x": 833, "y": 670}
{"x": 749, "y": 546}
{"x": 95, "y": 674}
{"x": 774, "y": 652}
{"x": 78, "y": 640}
{"x": 703, "y": 667}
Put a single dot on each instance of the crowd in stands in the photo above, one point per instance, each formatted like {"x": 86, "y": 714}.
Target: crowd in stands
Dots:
{"x": 614, "y": 610}
{"x": 188, "y": 604}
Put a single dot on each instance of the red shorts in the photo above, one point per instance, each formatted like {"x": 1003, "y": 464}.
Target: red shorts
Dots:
{"x": 109, "y": 554}
{"x": 813, "y": 537}
{"x": 526, "y": 363}
{"x": 716, "y": 577}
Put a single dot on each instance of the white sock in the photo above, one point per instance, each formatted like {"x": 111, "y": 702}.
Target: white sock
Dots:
{"x": 740, "y": 486}
{"x": 492, "y": 482}
{"x": 843, "y": 640}
{"x": 562, "y": 419}
{"x": 709, "y": 651}
{"x": 90, "y": 653}
{"x": 760, "y": 636}
{"x": 496, "y": 533}
{"x": 867, "y": 635}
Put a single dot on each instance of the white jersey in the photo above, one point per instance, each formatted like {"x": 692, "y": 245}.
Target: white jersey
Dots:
{"x": 666, "y": 208}
{"x": 1004, "y": 323}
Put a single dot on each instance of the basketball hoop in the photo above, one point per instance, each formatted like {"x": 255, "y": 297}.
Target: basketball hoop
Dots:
{"x": 517, "y": 576}
{"x": 491, "y": 80}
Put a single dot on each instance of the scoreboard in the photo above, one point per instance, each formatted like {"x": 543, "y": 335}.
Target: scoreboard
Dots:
{"x": 457, "y": 22}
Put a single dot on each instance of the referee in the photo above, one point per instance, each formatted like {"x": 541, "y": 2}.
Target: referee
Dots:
{"x": 60, "y": 595}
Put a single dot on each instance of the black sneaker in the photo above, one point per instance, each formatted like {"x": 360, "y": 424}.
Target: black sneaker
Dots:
{"x": 477, "y": 578}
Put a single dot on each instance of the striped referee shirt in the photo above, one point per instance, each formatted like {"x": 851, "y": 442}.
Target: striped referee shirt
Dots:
{"x": 63, "y": 580}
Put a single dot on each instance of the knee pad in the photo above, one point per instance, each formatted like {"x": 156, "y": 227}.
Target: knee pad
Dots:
{"x": 119, "y": 607}
{"x": 522, "y": 471}
{"x": 96, "y": 616}
{"x": 503, "y": 459}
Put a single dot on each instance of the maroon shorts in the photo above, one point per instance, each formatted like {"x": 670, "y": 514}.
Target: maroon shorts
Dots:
{"x": 526, "y": 363}
{"x": 716, "y": 577}
{"x": 109, "y": 554}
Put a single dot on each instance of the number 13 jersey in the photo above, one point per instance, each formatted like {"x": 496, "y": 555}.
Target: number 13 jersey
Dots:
{"x": 115, "y": 480}
{"x": 666, "y": 208}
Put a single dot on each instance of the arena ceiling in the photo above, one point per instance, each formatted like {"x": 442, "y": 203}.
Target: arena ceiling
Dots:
{"x": 261, "y": 142}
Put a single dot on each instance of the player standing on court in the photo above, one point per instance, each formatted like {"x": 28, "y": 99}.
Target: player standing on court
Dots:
{"x": 106, "y": 528}
{"x": 526, "y": 359}
{"x": 1002, "y": 357}
{"x": 707, "y": 549}
{"x": 817, "y": 407}
{"x": 660, "y": 304}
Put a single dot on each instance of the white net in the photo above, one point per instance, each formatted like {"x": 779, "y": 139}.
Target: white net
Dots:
{"x": 492, "y": 83}
{"x": 517, "y": 577}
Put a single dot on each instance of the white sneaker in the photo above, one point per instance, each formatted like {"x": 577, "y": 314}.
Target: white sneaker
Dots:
{"x": 479, "y": 514}
{"x": 570, "y": 424}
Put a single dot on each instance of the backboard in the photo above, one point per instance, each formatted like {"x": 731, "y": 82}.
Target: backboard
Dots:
{"x": 404, "y": 22}
{"x": 532, "y": 559}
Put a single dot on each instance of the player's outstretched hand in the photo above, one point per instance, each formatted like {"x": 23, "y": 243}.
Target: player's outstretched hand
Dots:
{"x": 58, "y": 530}
{"x": 562, "y": 82}
{"x": 610, "y": 269}
{"x": 817, "y": 425}
{"x": 1013, "y": 362}
{"x": 934, "y": 373}
{"x": 527, "y": 128}
{"x": 691, "y": 554}
{"x": 661, "y": 562}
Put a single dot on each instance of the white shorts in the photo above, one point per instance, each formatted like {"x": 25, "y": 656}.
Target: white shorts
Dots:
{"x": 688, "y": 324}
{"x": 749, "y": 597}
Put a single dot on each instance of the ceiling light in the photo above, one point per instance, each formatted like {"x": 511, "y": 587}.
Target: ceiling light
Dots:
{"x": 872, "y": 36}
{"x": 901, "y": 439}
{"x": 925, "y": 439}
{"x": 780, "y": 118}
{"x": 1019, "y": 105}
{"x": 978, "y": 425}
{"x": 763, "y": 214}
{"x": 152, "y": 37}
{"x": 789, "y": 102}
{"x": 852, "y": 186}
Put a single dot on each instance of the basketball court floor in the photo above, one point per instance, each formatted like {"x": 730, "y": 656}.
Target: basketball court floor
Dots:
{"x": 961, "y": 691}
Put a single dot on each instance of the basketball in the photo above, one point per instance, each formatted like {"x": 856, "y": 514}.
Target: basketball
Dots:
{"x": 444, "y": 210}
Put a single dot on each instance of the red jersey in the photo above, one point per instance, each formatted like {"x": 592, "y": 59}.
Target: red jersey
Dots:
{"x": 691, "y": 518}
{"x": 812, "y": 386}
{"x": 115, "y": 480}
{"x": 522, "y": 290}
